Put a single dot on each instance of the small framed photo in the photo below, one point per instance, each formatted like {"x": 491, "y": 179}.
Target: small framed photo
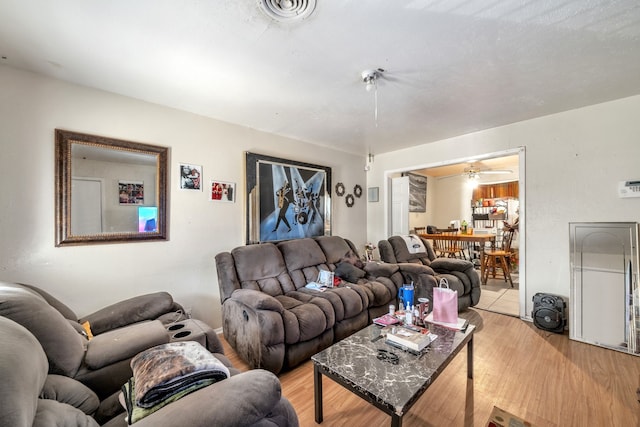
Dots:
{"x": 190, "y": 177}
{"x": 372, "y": 194}
{"x": 222, "y": 191}
{"x": 131, "y": 192}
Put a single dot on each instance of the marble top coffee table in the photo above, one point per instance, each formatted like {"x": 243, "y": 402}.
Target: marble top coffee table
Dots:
{"x": 393, "y": 388}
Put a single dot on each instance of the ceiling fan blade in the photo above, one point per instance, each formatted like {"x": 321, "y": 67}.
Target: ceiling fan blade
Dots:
{"x": 470, "y": 172}
{"x": 451, "y": 176}
{"x": 495, "y": 171}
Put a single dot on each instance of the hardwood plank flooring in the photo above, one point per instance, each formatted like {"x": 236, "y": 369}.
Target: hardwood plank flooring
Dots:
{"x": 542, "y": 377}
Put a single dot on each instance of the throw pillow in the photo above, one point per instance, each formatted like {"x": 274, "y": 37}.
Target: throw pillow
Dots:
{"x": 349, "y": 272}
{"x": 352, "y": 259}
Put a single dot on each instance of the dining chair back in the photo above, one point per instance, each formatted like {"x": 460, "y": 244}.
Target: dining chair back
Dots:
{"x": 499, "y": 258}
{"x": 449, "y": 248}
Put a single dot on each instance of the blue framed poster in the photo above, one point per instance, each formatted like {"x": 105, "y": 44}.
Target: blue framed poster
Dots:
{"x": 286, "y": 199}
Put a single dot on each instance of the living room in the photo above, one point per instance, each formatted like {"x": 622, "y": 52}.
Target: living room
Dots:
{"x": 574, "y": 160}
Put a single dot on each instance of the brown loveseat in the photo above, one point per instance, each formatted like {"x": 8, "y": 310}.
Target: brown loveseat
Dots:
{"x": 273, "y": 321}
{"x": 460, "y": 274}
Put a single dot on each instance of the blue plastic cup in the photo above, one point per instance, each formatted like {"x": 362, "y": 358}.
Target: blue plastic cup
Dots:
{"x": 405, "y": 294}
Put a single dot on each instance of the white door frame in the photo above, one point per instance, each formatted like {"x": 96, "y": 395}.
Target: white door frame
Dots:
{"x": 521, "y": 152}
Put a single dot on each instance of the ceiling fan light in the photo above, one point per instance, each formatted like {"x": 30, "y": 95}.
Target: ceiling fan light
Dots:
{"x": 370, "y": 78}
{"x": 473, "y": 180}
{"x": 371, "y": 84}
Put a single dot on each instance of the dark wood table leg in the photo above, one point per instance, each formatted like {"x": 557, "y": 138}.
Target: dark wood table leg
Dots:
{"x": 482, "y": 266}
{"x": 396, "y": 420}
{"x": 317, "y": 392}
{"x": 470, "y": 358}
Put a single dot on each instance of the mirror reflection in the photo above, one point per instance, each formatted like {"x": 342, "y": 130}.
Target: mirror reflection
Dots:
{"x": 109, "y": 190}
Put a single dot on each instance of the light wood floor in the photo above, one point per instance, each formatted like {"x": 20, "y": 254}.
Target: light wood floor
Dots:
{"x": 543, "y": 377}
{"x": 499, "y": 297}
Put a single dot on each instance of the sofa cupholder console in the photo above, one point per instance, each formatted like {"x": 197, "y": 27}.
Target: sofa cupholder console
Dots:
{"x": 188, "y": 330}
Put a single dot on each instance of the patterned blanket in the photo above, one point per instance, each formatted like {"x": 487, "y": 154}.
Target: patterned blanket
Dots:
{"x": 414, "y": 244}
{"x": 168, "y": 369}
{"x": 136, "y": 413}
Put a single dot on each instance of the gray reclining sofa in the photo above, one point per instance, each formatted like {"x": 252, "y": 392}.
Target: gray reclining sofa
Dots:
{"x": 274, "y": 322}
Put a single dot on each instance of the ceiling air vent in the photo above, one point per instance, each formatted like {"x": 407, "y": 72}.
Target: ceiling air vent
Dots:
{"x": 288, "y": 10}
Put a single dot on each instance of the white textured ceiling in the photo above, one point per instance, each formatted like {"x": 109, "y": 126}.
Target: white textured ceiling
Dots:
{"x": 452, "y": 66}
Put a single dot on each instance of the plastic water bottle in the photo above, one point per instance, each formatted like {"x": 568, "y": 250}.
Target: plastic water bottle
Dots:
{"x": 408, "y": 316}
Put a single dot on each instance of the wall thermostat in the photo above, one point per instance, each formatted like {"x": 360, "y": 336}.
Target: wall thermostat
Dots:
{"x": 629, "y": 189}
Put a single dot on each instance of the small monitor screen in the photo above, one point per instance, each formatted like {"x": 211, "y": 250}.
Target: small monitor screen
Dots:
{"x": 147, "y": 219}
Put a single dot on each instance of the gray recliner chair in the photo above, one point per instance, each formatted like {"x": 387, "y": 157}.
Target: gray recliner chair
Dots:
{"x": 426, "y": 270}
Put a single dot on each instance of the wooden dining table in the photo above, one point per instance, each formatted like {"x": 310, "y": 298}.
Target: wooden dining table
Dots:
{"x": 481, "y": 238}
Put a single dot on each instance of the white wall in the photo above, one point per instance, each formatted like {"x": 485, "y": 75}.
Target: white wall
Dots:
{"x": 89, "y": 277}
{"x": 452, "y": 201}
{"x": 574, "y": 161}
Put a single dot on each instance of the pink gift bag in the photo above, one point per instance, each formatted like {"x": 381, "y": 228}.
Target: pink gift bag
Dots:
{"x": 445, "y": 303}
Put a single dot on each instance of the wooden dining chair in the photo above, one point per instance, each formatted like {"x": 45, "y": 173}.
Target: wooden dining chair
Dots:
{"x": 420, "y": 230}
{"x": 449, "y": 248}
{"x": 499, "y": 258}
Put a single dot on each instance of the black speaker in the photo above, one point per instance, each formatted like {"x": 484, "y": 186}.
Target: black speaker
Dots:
{"x": 549, "y": 312}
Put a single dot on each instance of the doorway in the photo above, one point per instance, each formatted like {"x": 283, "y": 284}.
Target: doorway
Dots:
{"x": 449, "y": 200}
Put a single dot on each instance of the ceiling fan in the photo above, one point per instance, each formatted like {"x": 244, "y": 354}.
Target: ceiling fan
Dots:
{"x": 371, "y": 78}
{"x": 475, "y": 169}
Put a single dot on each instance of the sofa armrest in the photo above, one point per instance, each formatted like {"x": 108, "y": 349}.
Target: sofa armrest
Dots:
{"x": 67, "y": 390}
{"x": 415, "y": 268}
{"x": 124, "y": 343}
{"x": 257, "y": 300}
{"x": 53, "y": 413}
{"x": 451, "y": 264}
{"x": 127, "y": 312}
{"x": 380, "y": 269}
{"x": 242, "y": 399}
{"x": 422, "y": 276}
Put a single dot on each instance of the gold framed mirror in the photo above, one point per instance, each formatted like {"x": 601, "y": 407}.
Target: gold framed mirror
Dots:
{"x": 109, "y": 190}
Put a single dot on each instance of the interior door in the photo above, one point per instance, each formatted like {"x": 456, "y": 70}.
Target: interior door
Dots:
{"x": 400, "y": 206}
{"x": 86, "y": 206}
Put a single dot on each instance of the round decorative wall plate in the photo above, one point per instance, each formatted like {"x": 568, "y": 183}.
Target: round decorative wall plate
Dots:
{"x": 340, "y": 189}
{"x": 349, "y": 200}
{"x": 357, "y": 191}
